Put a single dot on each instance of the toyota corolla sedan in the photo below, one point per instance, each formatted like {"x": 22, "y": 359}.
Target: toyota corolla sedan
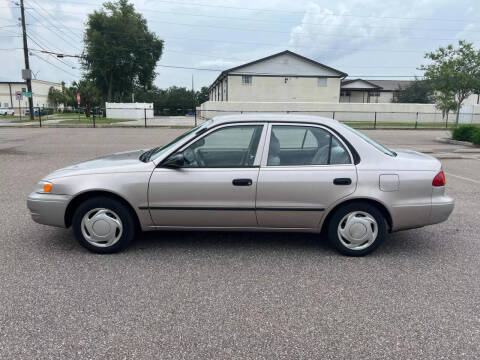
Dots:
{"x": 266, "y": 172}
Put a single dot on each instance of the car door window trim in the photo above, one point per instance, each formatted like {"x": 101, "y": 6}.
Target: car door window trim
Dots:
{"x": 354, "y": 157}
{"x": 258, "y": 153}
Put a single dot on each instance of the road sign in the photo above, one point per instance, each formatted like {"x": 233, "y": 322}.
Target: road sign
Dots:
{"x": 27, "y": 93}
{"x": 26, "y": 74}
{"x": 18, "y": 95}
{"x": 78, "y": 98}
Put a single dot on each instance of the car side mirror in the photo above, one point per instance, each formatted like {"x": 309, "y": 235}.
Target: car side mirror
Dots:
{"x": 175, "y": 161}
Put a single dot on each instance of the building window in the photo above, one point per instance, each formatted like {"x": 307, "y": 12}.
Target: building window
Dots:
{"x": 246, "y": 79}
{"x": 286, "y": 80}
{"x": 322, "y": 81}
{"x": 346, "y": 93}
{"x": 375, "y": 93}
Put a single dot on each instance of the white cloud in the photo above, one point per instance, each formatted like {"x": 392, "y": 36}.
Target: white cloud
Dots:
{"x": 333, "y": 33}
{"x": 217, "y": 63}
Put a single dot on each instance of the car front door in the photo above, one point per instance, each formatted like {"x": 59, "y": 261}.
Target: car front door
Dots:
{"x": 306, "y": 169}
{"x": 216, "y": 187}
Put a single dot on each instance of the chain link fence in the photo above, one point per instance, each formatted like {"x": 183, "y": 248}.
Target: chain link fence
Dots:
{"x": 157, "y": 117}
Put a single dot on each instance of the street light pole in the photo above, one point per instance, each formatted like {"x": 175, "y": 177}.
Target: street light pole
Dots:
{"x": 27, "y": 63}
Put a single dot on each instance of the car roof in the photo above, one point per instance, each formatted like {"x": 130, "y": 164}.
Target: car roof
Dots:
{"x": 273, "y": 117}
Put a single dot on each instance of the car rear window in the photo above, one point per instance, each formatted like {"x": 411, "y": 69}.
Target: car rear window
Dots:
{"x": 370, "y": 141}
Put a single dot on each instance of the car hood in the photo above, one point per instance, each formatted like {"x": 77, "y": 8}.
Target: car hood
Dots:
{"x": 414, "y": 160}
{"x": 119, "y": 162}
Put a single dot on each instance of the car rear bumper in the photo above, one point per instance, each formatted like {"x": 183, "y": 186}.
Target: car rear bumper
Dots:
{"x": 419, "y": 215}
{"x": 441, "y": 209}
{"x": 48, "y": 209}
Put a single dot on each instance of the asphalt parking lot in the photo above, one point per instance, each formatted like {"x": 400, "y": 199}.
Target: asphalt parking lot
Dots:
{"x": 230, "y": 295}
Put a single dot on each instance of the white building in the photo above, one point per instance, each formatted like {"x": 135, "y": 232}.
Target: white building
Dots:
{"x": 40, "y": 90}
{"x": 289, "y": 77}
{"x": 285, "y": 76}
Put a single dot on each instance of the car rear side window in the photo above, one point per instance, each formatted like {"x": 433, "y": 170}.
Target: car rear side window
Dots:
{"x": 304, "y": 145}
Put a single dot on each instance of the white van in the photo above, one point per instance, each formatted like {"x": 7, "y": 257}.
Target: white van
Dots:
{"x": 6, "y": 111}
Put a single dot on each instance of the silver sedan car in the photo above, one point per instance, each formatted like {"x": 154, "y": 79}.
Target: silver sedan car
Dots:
{"x": 265, "y": 172}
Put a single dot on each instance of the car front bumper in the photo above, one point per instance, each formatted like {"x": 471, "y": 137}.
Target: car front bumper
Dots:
{"x": 48, "y": 209}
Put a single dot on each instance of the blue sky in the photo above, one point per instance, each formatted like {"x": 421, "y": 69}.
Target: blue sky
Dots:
{"x": 363, "y": 38}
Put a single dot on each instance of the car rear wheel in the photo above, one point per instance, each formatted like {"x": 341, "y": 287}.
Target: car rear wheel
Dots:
{"x": 103, "y": 225}
{"x": 357, "y": 229}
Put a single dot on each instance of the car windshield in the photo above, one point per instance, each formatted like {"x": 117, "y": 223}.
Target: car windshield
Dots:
{"x": 371, "y": 142}
{"x": 156, "y": 152}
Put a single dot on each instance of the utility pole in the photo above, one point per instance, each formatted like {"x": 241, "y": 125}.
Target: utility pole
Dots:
{"x": 194, "y": 103}
{"x": 27, "y": 63}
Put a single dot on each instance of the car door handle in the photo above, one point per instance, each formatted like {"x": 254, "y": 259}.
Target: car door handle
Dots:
{"x": 242, "y": 182}
{"x": 342, "y": 181}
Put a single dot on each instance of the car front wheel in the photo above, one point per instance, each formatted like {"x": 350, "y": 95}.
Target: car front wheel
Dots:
{"x": 357, "y": 229}
{"x": 103, "y": 225}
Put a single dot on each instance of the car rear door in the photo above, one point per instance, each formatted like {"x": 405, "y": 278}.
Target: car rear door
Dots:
{"x": 217, "y": 186}
{"x": 305, "y": 170}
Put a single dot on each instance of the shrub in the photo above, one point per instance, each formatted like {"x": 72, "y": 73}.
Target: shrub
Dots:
{"x": 464, "y": 132}
{"x": 475, "y": 138}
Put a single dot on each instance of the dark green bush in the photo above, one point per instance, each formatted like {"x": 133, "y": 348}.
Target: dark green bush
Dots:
{"x": 475, "y": 138}
{"x": 46, "y": 112}
{"x": 464, "y": 132}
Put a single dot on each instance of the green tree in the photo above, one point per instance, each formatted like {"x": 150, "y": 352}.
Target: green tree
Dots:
{"x": 445, "y": 102}
{"x": 56, "y": 97}
{"x": 454, "y": 71}
{"x": 178, "y": 100}
{"x": 203, "y": 95}
{"x": 120, "y": 52}
{"x": 89, "y": 95}
{"x": 418, "y": 92}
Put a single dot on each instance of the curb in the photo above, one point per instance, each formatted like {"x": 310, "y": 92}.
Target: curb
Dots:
{"x": 455, "y": 142}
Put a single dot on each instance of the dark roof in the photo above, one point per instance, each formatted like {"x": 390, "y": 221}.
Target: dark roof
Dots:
{"x": 12, "y": 82}
{"x": 392, "y": 85}
{"x": 384, "y": 85}
{"x": 345, "y": 82}
{"x": 224, "y": 72}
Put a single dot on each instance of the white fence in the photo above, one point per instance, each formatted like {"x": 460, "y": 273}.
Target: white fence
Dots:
{"x": 129, "y": 110}
{"x": 392, "y": 113}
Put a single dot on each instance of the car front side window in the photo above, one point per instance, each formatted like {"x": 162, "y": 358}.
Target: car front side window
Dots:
{"x": 304, "y": 145}
{"x": 232, "y": 146}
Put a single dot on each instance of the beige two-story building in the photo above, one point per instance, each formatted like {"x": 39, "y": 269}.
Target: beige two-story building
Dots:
{"x": 285, "y": 76}
{"x": 290, "y": 77}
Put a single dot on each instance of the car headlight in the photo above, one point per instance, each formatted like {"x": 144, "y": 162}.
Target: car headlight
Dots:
{"x": 44, "y": 187}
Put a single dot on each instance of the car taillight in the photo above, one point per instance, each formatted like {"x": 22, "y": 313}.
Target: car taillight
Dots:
{"x": 439, "y": 179}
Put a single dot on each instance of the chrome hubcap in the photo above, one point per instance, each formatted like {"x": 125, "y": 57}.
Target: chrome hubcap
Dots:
{"x": 101, "y": 227}
{"x": 357, "y": 230}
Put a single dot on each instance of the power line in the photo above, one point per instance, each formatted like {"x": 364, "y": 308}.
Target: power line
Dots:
{"x": 58, "y": 67}
{"x": 283, "y": 32}
{"x": 55, "y": 57}
{"x": 54, "y": 32}
{"x": 284, "y": 21}
{"x": 51, "y": 45}
{"x": 59, "y": 33}
{"x": 220, "y": 70}
{"x": 51, "y": 17}
{"x": 279, "y": 10}
{"x": 295, "y": 46}
{"x": 275, "y": 21}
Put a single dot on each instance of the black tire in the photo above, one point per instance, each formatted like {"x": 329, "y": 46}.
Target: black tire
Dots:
{"x": 341, "y": 212}
{"x": 129, "y": 228}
